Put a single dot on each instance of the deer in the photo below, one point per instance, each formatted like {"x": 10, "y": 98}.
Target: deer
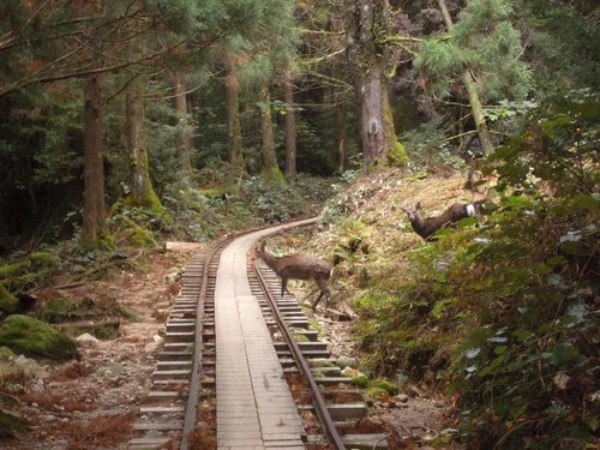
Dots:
{"x": 298, "y": 267}
{"x": 428, "y": 226}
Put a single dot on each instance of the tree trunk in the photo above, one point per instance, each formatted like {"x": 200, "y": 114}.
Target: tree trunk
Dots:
{"x": 471, "y": 87}
{"x": 368, "y": 60}
{"x": 290, "y": 128}
{"x": 142, "y": 193}
{"x": 180, "y": 105}
{"x": 339, "y": 123}
{"x": 269, "y": 157}
{"x": 94, "y": 208}
{"x": 234, "y": 129}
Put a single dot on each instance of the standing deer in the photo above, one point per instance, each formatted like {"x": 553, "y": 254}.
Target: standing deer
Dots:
{"x": 298, "y": 267}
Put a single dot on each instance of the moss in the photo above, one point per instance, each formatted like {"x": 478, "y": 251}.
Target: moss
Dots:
{"x": 34, "y": 338}
{"x": 141, "y": 237}
{"x": 8, "y": 302}
{"x": 15, "y": 269}
{"x": 397, "y": 156}
{"x": 274, "y": 174}
{"x": 299, "y": 337}
{"x": 57, "y": 310}
{"x": 360, "y": 380}
{"x": 107, "y": 330}
{"x": 385, "y": 385}
{"x": 378, "y": 393}
{"x": 357, "y": 378}
{"x": 212, "y": 192}
{"x": 43, "y": 259}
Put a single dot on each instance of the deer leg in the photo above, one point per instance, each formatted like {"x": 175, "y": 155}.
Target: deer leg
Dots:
{"x": 283, "y": 285}
{"x": 314, "y": 305}
{"x": 324, "y": 291}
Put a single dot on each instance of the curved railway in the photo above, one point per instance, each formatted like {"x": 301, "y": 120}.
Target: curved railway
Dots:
{"x": 241, "y": 369}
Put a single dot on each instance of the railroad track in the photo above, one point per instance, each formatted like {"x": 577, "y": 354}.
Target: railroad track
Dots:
{"x": 283, "y": 391}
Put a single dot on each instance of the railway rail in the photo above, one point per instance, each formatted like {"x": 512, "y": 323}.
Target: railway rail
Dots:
{"x": 241, "y": 368}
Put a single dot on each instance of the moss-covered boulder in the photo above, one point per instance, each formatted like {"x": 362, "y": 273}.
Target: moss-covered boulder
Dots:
{"x": 8, "y": 302}
{"x": 33, "y": 338}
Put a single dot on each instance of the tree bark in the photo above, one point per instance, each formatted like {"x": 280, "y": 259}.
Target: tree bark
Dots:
{"x": 290, "y": 128}
{"x": 180, "y": 105}
{"x": 234, "y": 129}
{"x": 339, "y": 123}
{"x": 269, "y": 157}
{"x": 94, "y": 208}
{"x": 367, "y": 57}
{"x": 471, "y": 87}
{"x": 142, "y": 193}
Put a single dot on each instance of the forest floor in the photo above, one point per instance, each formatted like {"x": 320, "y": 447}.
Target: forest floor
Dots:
{"x": 91, "y": 403}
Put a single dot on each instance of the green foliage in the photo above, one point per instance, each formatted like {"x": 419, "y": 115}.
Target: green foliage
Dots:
{"x": 504, "y": 314}
{"x": 485, "y": 42}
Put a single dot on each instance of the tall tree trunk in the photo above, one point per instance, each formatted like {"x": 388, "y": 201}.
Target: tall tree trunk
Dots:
{"x": 337, "y": 94}
{"x": 471, "y": 87}
{"x": 180, "y": 105}
{"x": 339, "y": 123}
{"x": 269, "y": 158}
{"x": 290, "y": 128}
{"x": 94, "y": 208}
{"x": 142, "y": 192}
{"x": 368, "y": 59}
{"x": 234, "y": 129}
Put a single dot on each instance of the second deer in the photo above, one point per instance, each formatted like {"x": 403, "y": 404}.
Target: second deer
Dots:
{"x": 298, "y": 267}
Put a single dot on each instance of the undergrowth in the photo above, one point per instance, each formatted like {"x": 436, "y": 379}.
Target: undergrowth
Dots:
{"x": 502, "y": 313}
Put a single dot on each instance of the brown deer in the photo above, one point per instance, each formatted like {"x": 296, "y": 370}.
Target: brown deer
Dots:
{"x": 298, "y": 267}
{"x": 426, "y": 227}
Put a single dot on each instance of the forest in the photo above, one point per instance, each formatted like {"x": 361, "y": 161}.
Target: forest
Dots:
{"x": 126, "y": 123}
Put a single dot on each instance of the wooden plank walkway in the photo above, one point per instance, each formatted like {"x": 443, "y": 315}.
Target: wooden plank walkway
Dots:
{"x": 255, "y": 409}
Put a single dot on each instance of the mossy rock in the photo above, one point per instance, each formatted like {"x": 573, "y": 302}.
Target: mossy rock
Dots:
{"x": 378, "y": 393}
{"x": 387, "y": 386}
{"x": 357, "y": 378}
{"x": 8, "y": 302}
{"x": 34, "y": 338}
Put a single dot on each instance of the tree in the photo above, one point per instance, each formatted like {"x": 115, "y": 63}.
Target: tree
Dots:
{"x": 484, "y": 51}
{"x": 290, "y": 127}
{"x": 232, "y": 102}
{"x": 367, "y": 29}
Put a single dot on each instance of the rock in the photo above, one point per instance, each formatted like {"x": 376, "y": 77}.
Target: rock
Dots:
{"x": 402, "y": 398}
{"x": 87, "y": 339}
{"x": 173, "y": 276}
{"x": 34, "y": 338}
{"x": 345, "y": 361}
